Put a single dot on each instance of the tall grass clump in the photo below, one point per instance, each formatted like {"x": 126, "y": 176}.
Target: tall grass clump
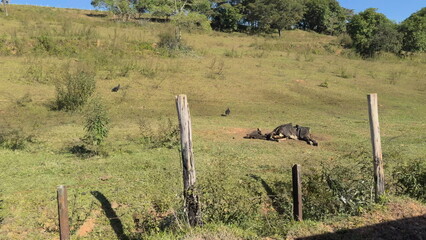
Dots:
{"x": 74, "y": 90}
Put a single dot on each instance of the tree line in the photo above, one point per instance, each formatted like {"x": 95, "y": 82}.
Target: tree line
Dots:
{"x": 370, "y": 32}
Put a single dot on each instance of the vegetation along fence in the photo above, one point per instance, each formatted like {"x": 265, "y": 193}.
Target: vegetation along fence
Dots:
{"x": 191, "y": 200}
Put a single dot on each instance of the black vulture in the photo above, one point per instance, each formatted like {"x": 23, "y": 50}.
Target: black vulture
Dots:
{"x": 227, "y": 112}
{"x": 115, "y": 89}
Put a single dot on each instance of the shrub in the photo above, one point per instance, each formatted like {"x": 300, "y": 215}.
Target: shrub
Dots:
{"x": 46, "y": 43}
{"x": 345, "y": 40}
{"x": 337, "y": 190}
{"x": 97, "y": 121}
{"x": 171, "y": 39}
{"x": 159, "y": 133}
{"x": 14, "y": 138}
{"x": 410, "y": 179}
{"x": 227, "y": 202}
{"x": 75, "y": 90}
{"x": 192, "y": 22}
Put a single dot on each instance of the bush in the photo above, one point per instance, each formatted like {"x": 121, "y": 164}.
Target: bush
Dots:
{"x": 75, "y": 90}
{"x": 159, "y": 133}
{"x": 97, "y": 121}
{"x": 225, "y": 201}
{"x": 337, "y": 190}
{"x": 14, "y": 138}
{"x": 46, "y": 43}
{"x": 410, "y": 179}
{"x": 192, "y": 22}
{"x": 345, "y": 40}
{"x": 171, "y": 39}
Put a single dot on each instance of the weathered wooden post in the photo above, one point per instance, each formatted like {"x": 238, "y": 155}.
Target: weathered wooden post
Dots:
{"x": 64, "y": 226}
{"x": 297, "y": 193}
{"x": 379, "y": 176}
{"x": 192, "y": 207}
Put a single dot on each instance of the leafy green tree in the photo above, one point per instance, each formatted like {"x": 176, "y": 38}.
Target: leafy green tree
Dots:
{"x": 373, "y": 32}
{"x": 226, "y": 17}
{"x": 275, "y": 14}
{"x": 162, "y": 8}
{"x": 202, "y": 7}
{"x": 325, "y": 16}
{"x": 387, "y": 38}
{"x": 414, "y": 31}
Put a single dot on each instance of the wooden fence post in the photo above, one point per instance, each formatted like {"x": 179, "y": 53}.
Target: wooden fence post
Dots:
{"x": 297, "y": 193}
{"x": 192, "y": 207}
{"x": 379, "y": 176}
{"x": 64, "y": 226}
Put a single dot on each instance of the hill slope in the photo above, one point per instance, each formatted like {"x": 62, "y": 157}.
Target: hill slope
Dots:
{"x": 303, "y": 78}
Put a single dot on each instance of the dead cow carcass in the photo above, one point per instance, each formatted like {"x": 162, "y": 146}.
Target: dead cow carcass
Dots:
{"x": 285, "y": 131}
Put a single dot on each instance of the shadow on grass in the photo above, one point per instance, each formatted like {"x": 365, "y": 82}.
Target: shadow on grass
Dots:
{"x": 114, "y": 220}
{"x": 271, "y": 194}
{"x": 407, "y": 228}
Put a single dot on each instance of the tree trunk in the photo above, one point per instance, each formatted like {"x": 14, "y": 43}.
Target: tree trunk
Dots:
{"x": 5, "y": 7}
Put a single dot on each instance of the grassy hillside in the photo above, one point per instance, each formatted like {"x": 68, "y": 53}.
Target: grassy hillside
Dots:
{"x": 303, "y": 78}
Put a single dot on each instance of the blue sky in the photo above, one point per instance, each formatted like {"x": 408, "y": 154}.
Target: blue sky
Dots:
{"x": 396, "y": 10}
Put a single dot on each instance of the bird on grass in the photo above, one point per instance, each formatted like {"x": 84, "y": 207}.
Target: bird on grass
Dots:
{"x": 115, "y": 89}
{"x": 227, "y": 112}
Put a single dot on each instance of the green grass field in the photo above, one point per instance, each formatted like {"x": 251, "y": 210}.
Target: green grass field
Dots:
{"x": 265, "y": 81}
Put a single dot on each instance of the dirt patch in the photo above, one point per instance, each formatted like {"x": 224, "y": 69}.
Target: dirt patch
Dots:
{"x": 88, "y": 225}
{"x": 86, "y": 228}
{"x": 235, "y": 133}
